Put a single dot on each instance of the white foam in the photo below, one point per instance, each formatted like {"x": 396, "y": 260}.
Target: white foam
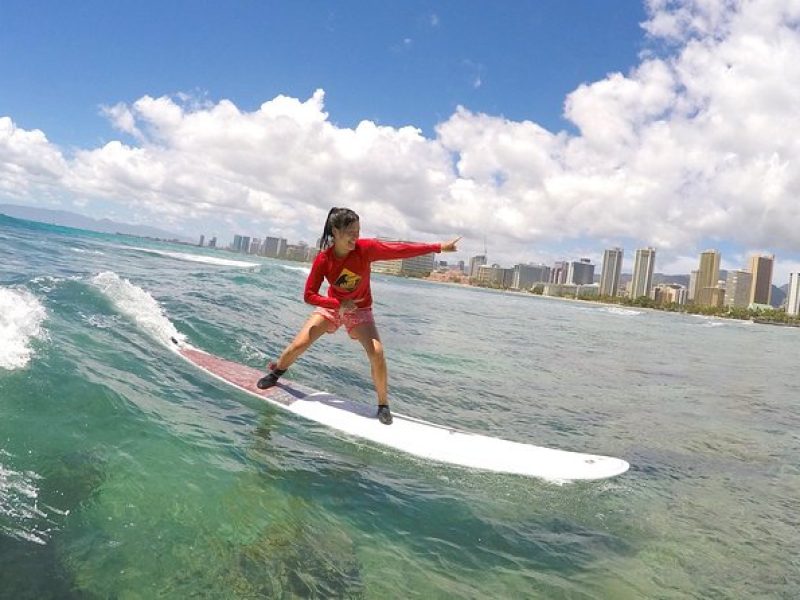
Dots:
{"x": 198, "y": 258}
{"x": 305, "y": 270}
{"x": 615, "y": 310}
{"x": 83, "y": 251}
{"x": 135, "y": 303}
{"x": 21, "y": 318}
{"x": 21, "y": 516}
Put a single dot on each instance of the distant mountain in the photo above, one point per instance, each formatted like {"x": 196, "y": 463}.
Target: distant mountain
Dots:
{"x": 70, "y": 219}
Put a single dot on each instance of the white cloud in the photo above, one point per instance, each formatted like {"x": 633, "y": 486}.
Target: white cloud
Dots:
{"x": 122, "y": 119}
{"x": 698, "y": 142}
{"x": 29, "y": 164}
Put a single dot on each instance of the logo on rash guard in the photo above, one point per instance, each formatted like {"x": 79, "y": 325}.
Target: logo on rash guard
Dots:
{"x": 347, "y": 280}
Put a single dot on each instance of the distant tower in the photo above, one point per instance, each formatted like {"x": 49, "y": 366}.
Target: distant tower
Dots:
{"x": 475, "y": 263}
{"x": 692, "y": 286}
{"x": 707, "y": 277}
{"x": 761, "y": 288}
{"x": 580, "y": 272}
{"x": 559, "y": 272}
{"x": 643, "y": 265}
{"x": 793, "y": 298}
{"x": 202, "y": 239}
{"x": 737, "y": 289}
{"x": 612, "y": 267}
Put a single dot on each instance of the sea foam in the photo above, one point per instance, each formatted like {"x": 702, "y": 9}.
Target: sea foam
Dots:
{"x": 305, "y": 270}
{"x": 198, "y": 258}
{"x": 21, "y": 318}
{"x": 626, "y": 312}
{"x": 135, "y": 303}
{"x": 20, "y": 515}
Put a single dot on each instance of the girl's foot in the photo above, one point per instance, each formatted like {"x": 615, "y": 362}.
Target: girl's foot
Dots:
{"x": 271, "y": 378}
{"x": 384, "y": 414}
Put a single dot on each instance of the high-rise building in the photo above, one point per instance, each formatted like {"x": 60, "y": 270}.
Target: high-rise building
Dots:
{"x": 692, "y": 286}
{"x": 524, "y": 276}
{"x": 475, "y": 263}
{"x": 737, "y": 289}
{"x": 270, "y": 247}
{"x": 212, "y": 243}
{"x": 580, "y": 272}
{"x": 559, "y": 272}
{"x": 282, "y": 245}
{"x": 495, "y": 276}
{"x": 255, "y": 245}
{"x": 202, "y": 239}
{"x": 761, "y": 288}
{"x": 642, "y": 279}
{"x": 612, "y": 267}
{"x": 793, "y": 297}
{"x": 707, "y": 278}
{"x": 241, "y": 243}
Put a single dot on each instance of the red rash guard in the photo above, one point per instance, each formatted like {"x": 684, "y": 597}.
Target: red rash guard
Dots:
{"x": 348, "y": 277}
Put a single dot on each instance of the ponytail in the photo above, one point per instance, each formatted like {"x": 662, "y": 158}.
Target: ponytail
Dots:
{"x": 338, "y": 218}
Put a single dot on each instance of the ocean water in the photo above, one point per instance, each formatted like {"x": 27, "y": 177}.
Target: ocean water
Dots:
{"x": 127, "y": 473}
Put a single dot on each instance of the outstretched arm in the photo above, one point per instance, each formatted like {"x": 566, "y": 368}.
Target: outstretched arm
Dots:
{"x": 380, "y": 250}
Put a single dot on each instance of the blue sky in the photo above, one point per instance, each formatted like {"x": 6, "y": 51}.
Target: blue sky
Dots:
{"x": 553, "y": 129}
{"x": 397, "y": 63}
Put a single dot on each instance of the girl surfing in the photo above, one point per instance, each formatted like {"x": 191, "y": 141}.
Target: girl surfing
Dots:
{"x": 344, "y": 260}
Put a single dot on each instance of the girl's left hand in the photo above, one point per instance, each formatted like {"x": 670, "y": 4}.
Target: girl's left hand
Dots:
{"x": 451, "y": 245}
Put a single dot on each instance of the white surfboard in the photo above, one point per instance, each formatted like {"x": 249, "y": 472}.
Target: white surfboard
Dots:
{"x": 407, "y": 434}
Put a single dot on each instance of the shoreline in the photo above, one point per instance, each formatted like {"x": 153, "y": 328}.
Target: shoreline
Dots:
{"x": 754, "y": 320}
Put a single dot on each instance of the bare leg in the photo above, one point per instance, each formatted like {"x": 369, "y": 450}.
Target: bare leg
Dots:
{"x": 311, "y": 331}
{"x": 367, "y": 334}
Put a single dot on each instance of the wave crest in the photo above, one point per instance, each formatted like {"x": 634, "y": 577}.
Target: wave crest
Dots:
{"x": 21, "y": 318}
{"x": 135, "y": 303}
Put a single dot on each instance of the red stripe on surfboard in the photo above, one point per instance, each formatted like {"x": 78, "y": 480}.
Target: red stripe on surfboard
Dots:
{"x": 241, "y": 376}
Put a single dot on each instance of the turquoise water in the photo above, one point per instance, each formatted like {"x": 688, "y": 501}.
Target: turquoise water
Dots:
{"x": 127, "y": 473}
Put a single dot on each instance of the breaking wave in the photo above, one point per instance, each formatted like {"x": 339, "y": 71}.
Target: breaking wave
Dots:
{"x": 198, "y": 258}
{"x": 136, "y": 304}
{"x": 21, "y": 318}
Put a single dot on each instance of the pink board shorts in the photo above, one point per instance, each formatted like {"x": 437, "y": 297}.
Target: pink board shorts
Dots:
{"x": 351, "y": 319}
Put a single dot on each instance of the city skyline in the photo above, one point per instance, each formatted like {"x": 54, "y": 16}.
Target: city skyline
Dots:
{"x": 562, "y": 271}
{"x": 707, "y": 286}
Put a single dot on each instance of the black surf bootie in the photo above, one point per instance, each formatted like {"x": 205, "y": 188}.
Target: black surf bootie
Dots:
{"x": 384, "y": 414}
{"x": 271, "y": 378}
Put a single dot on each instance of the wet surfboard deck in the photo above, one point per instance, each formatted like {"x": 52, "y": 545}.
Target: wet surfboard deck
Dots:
{"x": 407, "y": 434}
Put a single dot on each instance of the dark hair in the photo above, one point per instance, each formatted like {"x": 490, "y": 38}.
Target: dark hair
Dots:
{"x": 339, "y": 218}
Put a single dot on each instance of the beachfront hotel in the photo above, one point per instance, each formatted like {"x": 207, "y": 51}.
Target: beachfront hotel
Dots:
{"x": 793, "y": 302}
{"x": 761, "y": 270}
{"x": 612, "y": 268}
{"x": 737, "y": 289}
{"x": 706, "y": 291}
{"x": 643, "y": 266}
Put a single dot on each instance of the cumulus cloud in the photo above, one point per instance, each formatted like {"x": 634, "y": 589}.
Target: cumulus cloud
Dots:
{"x": 698, "y": 142}
{"x": 29, "y": 163}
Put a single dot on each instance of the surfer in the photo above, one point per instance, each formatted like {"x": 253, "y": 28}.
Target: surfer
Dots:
{"x": 344, "y": 260}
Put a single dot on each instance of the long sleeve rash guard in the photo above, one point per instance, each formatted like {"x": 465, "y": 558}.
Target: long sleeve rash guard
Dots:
{"x": 348, "y": 277}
